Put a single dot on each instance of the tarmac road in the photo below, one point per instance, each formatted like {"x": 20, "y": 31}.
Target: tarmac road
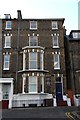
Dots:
{"x": 56, "y": 113}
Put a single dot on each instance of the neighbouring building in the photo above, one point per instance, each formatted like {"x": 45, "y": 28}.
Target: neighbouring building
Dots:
{"x": 79, "y": 15}
{"x": 72, "y": 42}
{"x": 33, "y": 55}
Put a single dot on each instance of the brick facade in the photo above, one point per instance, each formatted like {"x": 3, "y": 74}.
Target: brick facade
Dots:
{"x": 20, "y": 33}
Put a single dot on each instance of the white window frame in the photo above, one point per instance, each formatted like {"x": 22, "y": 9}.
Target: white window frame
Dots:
{"x": 76, "y": 35}
{"x": 29, "y": 91}
{"x": 41, "y": 61}
{"x": 7, "y": 16}
{"x": 33, "y": 40}
{"x": 54, "y": 23}
{"x": 33, "y": 27}
{"x": 7, "y": 42}
{"x": 6, "y": 62}
{"x": 36, "y": 60}
{"x": 42, "y": 83}
{"x": 8, "y": 22}
{"x": 57, "y": 62}
{"x": 57, "y": 41}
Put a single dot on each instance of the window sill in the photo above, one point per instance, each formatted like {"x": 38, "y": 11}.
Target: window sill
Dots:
{"x": 33, "y": 28}
{"x": 8, "y": 28}
{"x": 54, "y": 28}
{"x": 56, "y": 68}
{"x": 55, "y": 46}
{"x": 7, "y": 47}
{"x": 32, "y": 92}
{"x": 6, "y": 69}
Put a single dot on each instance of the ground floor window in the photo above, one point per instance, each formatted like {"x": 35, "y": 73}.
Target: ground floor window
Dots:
{"x": 32, "y": 84}
{"x": 5, "y": 89}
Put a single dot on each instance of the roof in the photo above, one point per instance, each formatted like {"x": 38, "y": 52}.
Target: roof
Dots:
{"x": 39, "y": 19}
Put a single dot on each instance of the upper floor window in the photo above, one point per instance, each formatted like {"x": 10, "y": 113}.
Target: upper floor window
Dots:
{"x": 33, "y": 60}
{"x": 8, "y": 24}
{"x": 33, "y": 41}
{"x": 33, "y": 24}
{"x": 41, "y": 61}
{"x": 54, "y": 25}
{"x": 56, "y": 61}
{"x": 55, "y": 41}
{"x": 6, "y": 62}
{"x": 7, "y": 41}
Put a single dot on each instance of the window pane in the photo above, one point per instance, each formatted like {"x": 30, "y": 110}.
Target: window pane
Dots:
{"x": 33, "y": 41}
{"x": 41, "y": 60}
{"x": 8, "y": 24}
{"x": 54, "y": 25}
{"x": 33, "y": 24}
{"x": 32, "y": 84}
{"x": 33, "y": 60}
{"x": 7, "y": 41}
{"x": 32, "y": 88}
{"x": 32, "y": 80}
{"x": 56, "y": 61}
{"x": 55, "y": 41}
{"x": 33, "y": 65}
{"x": 56, "y": 57}
{"x": 6, "y": 65}
{"x": 33, "y": 56}
{"x": 6, "y": 62}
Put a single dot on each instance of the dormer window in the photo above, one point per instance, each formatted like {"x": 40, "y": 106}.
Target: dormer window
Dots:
{"x": 76, "y": 35}
{"x": 7, "y": 16}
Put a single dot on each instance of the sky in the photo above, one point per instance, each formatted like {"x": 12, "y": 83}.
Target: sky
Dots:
{"x": 67, "y": 9}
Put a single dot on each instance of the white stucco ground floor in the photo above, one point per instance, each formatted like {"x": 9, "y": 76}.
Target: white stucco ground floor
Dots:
{"x": 6, "y": 92}
{"x": 28, "y": 99}
{"x": 10, "y": 100}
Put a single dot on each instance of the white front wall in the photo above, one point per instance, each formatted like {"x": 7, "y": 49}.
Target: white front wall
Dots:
{"x": 36, "y": 98}
{"x": 0, "y": 92}
{"x": 9, "y": 83}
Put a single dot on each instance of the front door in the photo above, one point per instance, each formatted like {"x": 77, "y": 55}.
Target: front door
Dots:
{"x": 5, "y": 101}
{"x": 59, "y": 95}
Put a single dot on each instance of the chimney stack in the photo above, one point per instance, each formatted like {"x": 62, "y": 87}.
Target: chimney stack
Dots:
{"x": 19, "y": 15}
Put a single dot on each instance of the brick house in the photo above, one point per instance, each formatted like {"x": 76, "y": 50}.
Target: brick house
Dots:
{"x": 33, "y": 54}
{"x": 72, "y": 42}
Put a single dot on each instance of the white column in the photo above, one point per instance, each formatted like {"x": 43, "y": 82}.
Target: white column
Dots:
{"x": 43, "y": 84}
{"x": 24, "y": 61}
{"x": 24, "y": 82}
{"x": 11, "y": 94}
{"x": 42, "y": 61}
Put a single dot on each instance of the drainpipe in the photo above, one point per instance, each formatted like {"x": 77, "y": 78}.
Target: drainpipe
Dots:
{"x": 19, "y": 17}
{"x": 0, "y": 48}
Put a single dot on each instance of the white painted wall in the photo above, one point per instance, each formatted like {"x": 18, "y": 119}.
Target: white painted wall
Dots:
{"x": 10, "y": 87}
{"x": 20, "y": 99}
{"x": 0, "y": 92}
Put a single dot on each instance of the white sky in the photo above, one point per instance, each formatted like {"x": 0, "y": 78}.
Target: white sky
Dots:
{"x": 67, "y": 9}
